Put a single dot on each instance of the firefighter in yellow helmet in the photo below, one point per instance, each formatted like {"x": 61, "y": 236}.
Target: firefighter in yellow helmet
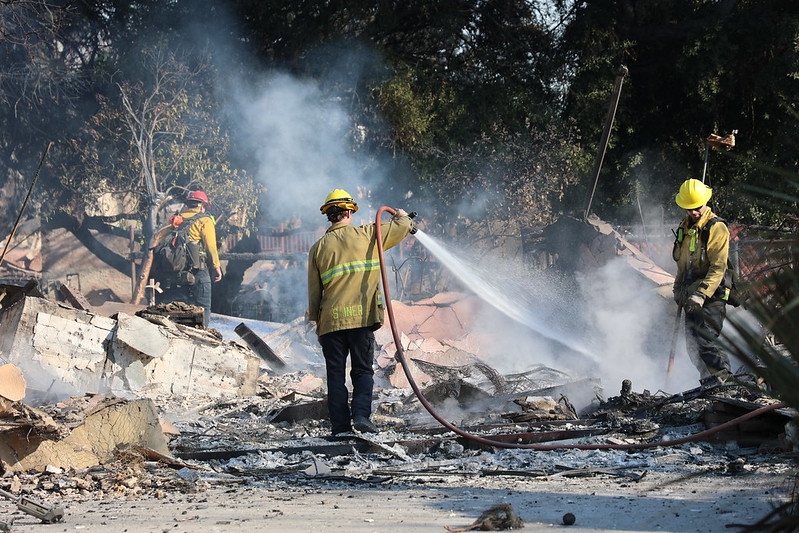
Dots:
{"x": 701, "y": 250}
{"x": 345, "y": 302}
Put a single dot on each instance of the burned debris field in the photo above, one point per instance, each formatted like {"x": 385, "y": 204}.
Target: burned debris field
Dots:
{"x": 399, "y": 266}
{"x": 146, "y": 421}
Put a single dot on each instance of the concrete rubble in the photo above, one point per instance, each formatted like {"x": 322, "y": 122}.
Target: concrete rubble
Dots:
{"x": 136, "y": 404}
{"x": 80, "y": 433}
{"x": 65, "y": 351}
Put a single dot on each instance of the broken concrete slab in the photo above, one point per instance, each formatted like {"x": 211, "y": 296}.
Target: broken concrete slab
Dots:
{"x": 427, "y": 320}
{"x": 58, "y": 348}
{"x": 138, "y": 334}
{"x": 408, "y": 317}
{"x": 442, "y": 299}
{"x": 469, "y": 343}
{"x": 92, "y": 442}
{"x": 444, "y": 323}
{"x": 189, "y": 367}
{"x": 64, "y": 351}
{"x": 430, "y": 345}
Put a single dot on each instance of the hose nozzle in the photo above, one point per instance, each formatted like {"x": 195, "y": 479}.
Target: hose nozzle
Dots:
{"x": 412, "y": 215}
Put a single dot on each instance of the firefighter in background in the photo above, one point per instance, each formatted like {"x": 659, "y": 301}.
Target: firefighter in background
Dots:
{"x": 194, "y": 286}
{"x": 345, "y": 302}
{"x": 699, "y": 286}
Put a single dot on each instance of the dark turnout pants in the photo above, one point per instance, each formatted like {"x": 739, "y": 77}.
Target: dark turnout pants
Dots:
{"x": 702, "y": 330}
{"x": 359, "y": 343}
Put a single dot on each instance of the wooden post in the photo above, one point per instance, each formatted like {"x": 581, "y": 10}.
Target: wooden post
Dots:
{"x": 145, "y": 272}
{"x": 132, "y": 262}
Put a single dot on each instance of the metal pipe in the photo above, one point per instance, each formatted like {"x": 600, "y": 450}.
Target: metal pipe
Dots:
{"x": 603, "y": 142}
{"x": 704, "y": 165}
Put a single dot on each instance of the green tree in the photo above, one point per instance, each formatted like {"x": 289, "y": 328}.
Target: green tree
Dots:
{"x": 506, "y": 183}
{"x": 696, "y": 68}
{"x": 153, "y": 140}
{"x": 41, "y": 83}
{"x": 466, "y": 65}
{"x": 766, "y": 339}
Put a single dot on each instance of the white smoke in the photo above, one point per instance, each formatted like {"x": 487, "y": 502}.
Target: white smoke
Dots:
{"x": 631, "y": 327}
{"x": 304, "y": 144}
{"x": 302, "y": 141}
{"x": 611, "y": 325}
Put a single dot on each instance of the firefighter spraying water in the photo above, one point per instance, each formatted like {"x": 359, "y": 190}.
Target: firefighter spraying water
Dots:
{"x": 345, "y": 303}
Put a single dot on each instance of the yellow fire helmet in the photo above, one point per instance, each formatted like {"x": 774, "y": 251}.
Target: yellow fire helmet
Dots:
{"x": 693, "y": 193}
{"x": 341, "y": 199}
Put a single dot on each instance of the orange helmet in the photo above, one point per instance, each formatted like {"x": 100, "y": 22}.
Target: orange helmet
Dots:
{"x": 197, "y": 196}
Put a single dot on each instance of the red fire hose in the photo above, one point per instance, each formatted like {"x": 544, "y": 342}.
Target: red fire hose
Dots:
{"x": 487, "y": 440}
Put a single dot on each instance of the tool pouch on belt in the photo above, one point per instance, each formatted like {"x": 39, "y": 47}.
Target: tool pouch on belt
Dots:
{"x": 186, "y": 278}
{"x": 678, "y": 237}
{"x": 732, "y": 293}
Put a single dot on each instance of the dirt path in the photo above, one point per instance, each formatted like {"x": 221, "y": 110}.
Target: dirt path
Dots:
{"x": 706, "y": 502}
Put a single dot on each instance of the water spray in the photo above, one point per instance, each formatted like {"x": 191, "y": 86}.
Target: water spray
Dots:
{"x": 495, "y": 442}
{"x": 494, "y": 296}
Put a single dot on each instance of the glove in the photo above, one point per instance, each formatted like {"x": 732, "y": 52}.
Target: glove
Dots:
{"x": 694, "y": 304}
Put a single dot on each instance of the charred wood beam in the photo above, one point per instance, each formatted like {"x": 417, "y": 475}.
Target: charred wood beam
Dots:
{"x": 258, "y": 345}
{"x": 75, "y": 298}
{"x": 484, "y": 428}
{"x": 343, "y": 445}
{"x": 302, "y": 411}
{"x": 11, "y": 294}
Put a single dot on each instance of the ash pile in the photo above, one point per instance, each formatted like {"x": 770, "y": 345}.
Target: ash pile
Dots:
{"x": 137, "y": 405}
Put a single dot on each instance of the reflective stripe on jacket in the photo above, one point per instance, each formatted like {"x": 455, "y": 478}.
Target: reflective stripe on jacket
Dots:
{"x": 344, "y": 275}
{"x": 693, "y": 264}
